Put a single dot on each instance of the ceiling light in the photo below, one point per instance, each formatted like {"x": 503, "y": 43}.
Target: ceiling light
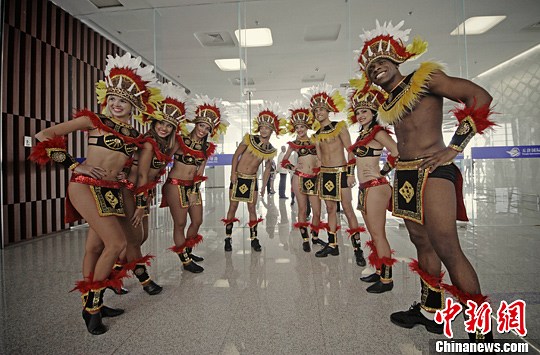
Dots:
{"x": 254, "y": 37}
{"x": 477, "y": 25}
{"x": 230, "y": 64}
{"x": 101, "y": 4}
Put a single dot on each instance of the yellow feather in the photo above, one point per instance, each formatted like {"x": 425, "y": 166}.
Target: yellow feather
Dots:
{"x": 339, "y": 101}
{"x": 411, "y": 96}
{"x": 325, "y": 136}
{"x": 358, "y": 83}
{"x": 247, "y": 141}
{"x": 101, "y": 91}
{"x": 417, "y": 47}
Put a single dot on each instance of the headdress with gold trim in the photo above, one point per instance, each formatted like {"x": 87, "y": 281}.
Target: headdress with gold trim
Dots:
{"x": 175, "y": 107}
{"x": 212, "y": 112}
{"x": 363, "y": 95}
{"x": 269, "y": 116}
{"x": 299, "y": 113}
{"x": 388, "y": 42}
{"x": 126, "y": 78}
{"x": 323, "y": 95}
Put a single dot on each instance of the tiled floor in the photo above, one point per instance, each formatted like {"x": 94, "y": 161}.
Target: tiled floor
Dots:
{"x": 279, "y": 301}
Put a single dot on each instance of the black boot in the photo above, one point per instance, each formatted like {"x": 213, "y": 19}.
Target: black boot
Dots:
{"x": 120, "y": 291}
{"x": 305, "y": 237}
{"x": 253, "y": 236}
{"x": 189, "y": 265}
{"x": 431, "y": 301}
{"x": 358, "y": 253}
{"x": 228, "y": 244}
{"x": 93, "y": 302}
{"x": 315, "y": 238}
{"x": 255, "y": 244}
{"x": 110, "y": 312}
{"x": 371, "y": 278}
{"x": 193, "y": 256}
{"x": 412, "y": 317}
{"x": 385, "y": 284}
{"x": 331, "y": 248}
{"x": 379, "y": 287}
{"x": 327, "y": 250}
{"x": 148, "y": 285}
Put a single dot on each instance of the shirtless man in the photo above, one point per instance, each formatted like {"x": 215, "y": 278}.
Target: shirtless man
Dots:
{"x": 337, "y": 173}
{"x": 246, "y": 160}
{"x": 414, "y": 106}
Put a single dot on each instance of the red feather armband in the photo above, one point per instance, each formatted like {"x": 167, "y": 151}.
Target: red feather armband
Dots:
{"x": 53, "y": 149}
{"x": 471, "y": 121}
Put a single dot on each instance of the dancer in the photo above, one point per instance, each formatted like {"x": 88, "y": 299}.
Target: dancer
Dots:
{"x": 147, "y": 167}
{"x": 375, "y": 190}
{"x": 93, "y": 191}
{"x": 337, "y": 173}
{"x": 181, "y": 192}
{"x": 254, "y": 149}
{"x": 305, "y": 179}
{"x": 428, "y": 186}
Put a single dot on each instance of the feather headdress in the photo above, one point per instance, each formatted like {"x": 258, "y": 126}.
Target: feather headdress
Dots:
{"x": 127, "y": 78}
{"x": 388, "y": 41}
{"x": 212, "y": 112}
{"x": 323, "y": 95}
{"x": 268, "y": 115}
{"x": 363, "y": 95}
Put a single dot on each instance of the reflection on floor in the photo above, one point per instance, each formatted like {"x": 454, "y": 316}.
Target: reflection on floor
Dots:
{"x": 281, "y": 300}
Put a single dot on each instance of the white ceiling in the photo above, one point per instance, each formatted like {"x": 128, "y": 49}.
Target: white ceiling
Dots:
{"x": 162, "y": 31}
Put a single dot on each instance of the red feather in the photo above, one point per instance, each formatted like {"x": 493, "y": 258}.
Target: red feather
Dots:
{"x": 187, "y": 150}
{"x": 463, "y": 296}
{"x": 255, "y": 222}
{"x": 301, "y": 224}
{"x": 433, "y": 281}
{"x": 227, "y": 221}
{"x": 39, "y": 151}
{"x": 480, "y": 116}
{"x": 352, "y": 231}
{"x": 191, "y": 242}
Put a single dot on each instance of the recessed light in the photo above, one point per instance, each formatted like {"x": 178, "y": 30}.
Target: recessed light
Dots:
{"x": 254, "y": 37}
{"x": 230, "y": 64}
{"x": 477, "y": 25}
{"x": 102, "y": 4}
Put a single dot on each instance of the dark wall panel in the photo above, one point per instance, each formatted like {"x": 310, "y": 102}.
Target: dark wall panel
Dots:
{"x": 51, "y": 63}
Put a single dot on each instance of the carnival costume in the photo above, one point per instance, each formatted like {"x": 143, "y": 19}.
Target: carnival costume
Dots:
{"x": 211, "y": 112}
{"x": 388, "y": 42}
{"x": 332, "y": 179}
{"x": 126, "y": 78}
{"x": 245, "y": 187}
{"x": 308, "y": 183}
{"x": 364, "y": 96}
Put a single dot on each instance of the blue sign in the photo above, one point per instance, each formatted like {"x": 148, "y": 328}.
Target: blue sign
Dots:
{"x": 507, "y": 152}
{"x": 219, "y": 159}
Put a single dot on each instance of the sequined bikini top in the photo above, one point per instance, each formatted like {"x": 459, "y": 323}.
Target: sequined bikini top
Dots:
{"x": 192, "y": 152}
{"x": 303, "y": 148}
{"x": 113, "y": 141}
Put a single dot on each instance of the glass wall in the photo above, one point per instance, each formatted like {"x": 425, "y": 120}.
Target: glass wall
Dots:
{"x": 314, "y": 42}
